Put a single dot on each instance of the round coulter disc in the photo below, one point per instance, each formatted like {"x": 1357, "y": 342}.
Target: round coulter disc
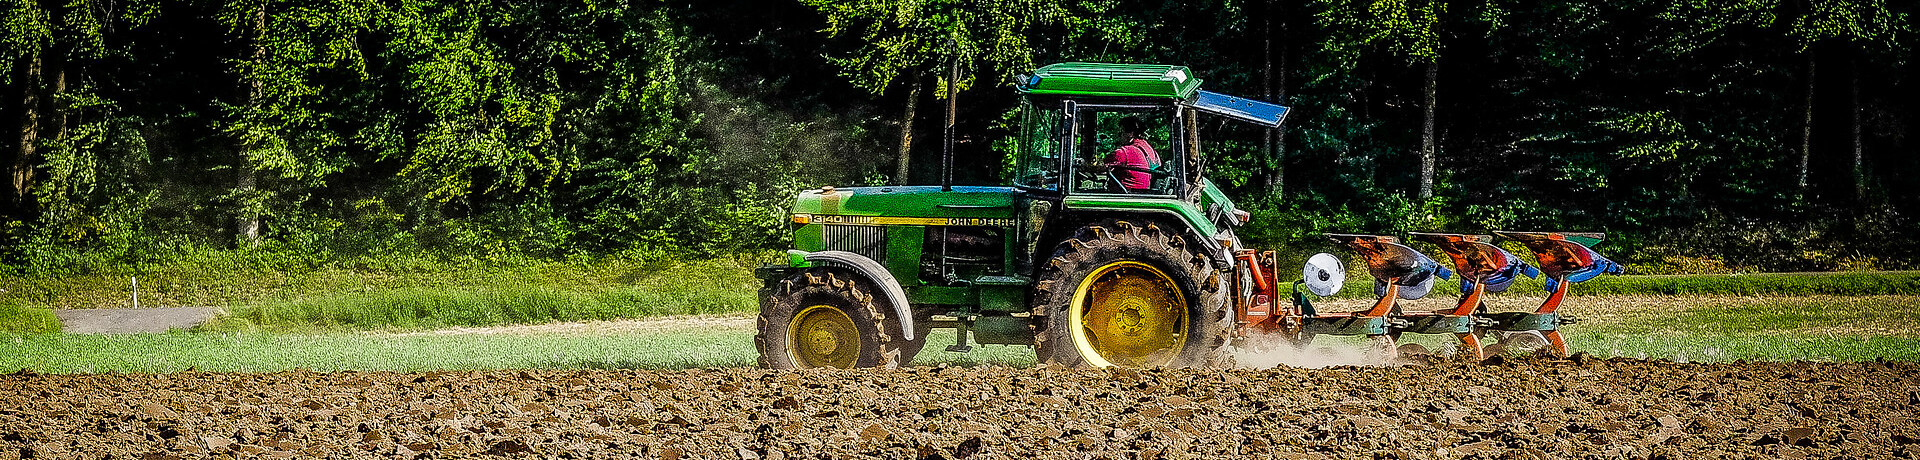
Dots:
{"x": 1130, "y": 314}
{"x": 1324, "y": 274}
{"x": 824, "y": 336}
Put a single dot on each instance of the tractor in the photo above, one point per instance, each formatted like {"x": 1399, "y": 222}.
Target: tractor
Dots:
{"x": 1092, "y": 261}
{"x": 1069, "y": 258}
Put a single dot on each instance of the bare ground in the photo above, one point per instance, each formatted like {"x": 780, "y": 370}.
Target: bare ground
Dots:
{"x": 132, "y": 320}
{"x": 1530, "y": 408}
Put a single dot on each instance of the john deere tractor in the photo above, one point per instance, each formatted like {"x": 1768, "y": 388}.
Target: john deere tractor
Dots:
{"x": 1078, "y": 257}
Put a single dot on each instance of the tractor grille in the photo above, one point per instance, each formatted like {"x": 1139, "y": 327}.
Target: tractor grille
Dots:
{"x": 858, "y": 239}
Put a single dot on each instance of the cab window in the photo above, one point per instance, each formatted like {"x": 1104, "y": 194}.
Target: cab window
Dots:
{"x": 1037, "y": 159}
{"x": 1124, "y": 150}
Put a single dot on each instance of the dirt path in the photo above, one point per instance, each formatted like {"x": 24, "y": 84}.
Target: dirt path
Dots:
{"x": 1532, "y": 409}
{"x": 132, "y": 320}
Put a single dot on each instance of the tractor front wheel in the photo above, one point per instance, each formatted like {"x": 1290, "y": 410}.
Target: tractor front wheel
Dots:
{"x": 824, "y": 317}
{"x": 1130, "y": 295}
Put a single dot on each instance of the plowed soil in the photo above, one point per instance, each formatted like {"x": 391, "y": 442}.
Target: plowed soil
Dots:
{"x": 1525, "y": 408}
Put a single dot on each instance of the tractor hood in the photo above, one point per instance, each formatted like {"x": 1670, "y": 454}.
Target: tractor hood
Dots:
{"x": 906, "y": 205}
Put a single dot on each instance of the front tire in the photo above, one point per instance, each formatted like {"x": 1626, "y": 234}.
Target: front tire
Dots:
{"x": 825, "y": 317}
{"x": 1117, "y": 293}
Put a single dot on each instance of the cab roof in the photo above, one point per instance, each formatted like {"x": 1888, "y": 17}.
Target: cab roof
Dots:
{"x": 1105, "y": 79}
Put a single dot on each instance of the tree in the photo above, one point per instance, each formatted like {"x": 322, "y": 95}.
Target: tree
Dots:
{"x": 1408, "y": 28}
{"x": 1275, "y": 26}
{"x": 277, "y": 123}
{"x": 51, "y": 60}
{"x": 909, "y": 40}
{"x": 1856, "y": 28}
{"x": 1849, "y": 28}
{"x": 43, "y": 46}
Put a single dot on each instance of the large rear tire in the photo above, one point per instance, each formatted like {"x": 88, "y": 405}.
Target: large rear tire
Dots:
{"x": 825, "y": 317}
{"x": 1117, "y": 293}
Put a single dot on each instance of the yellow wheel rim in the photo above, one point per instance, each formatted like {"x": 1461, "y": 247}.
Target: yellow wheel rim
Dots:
{"x": 823, "y": 336}
{"x": 1128, "y": 313}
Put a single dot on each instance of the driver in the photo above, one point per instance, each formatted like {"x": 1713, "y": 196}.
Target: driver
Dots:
{"x": 1134, "y": 156}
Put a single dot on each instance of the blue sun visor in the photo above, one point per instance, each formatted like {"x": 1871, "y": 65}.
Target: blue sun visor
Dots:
{"x": 1239, "y": 108}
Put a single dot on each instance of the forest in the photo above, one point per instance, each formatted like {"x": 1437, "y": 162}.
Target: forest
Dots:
{"x": 1704, "y": 136}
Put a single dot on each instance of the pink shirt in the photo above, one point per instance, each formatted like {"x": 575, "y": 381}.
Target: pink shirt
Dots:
{"x": 1139, "y": 155}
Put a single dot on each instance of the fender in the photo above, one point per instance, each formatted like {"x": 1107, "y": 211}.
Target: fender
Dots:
{"x": 874, "y": 272}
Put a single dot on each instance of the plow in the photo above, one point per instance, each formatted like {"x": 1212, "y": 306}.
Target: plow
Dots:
{"x": 1109, "y": 246}
{"x": 1402, "y": 273}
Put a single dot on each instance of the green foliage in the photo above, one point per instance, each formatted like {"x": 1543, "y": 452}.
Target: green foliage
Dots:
{"x": 1700, "y": 24}
{"x": 909, "y": 38}
{"x": 17, "y": 317}
{"x": 1301, "y": 225}
{"x": 484, "y": 123}
{"x": 1870, "y": 23}
{"x": 1407, "y": 28}
{"x": 1756, "y": 244}
{"x": 421, "y": 134}
{"x": 491, "y": 131}
{"x": 1664, "y": 136}
{"x": 278, "y": 126}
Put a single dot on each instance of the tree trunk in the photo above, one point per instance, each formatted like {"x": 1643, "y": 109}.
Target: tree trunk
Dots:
{"x": 1427, "y": 154}
{"x": 20, "y": 170}
{"x": 1806, "y": 126}
{"x": 1859, "y": 147}
{"x": 903, "y": 168}
{"x": 247, "y": 224}
{"x": 57, "y": 65}
{"x": 1273, "y": 77}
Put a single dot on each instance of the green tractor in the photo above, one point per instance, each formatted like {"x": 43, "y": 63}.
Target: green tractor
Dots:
{"x": 1094, "y": 262}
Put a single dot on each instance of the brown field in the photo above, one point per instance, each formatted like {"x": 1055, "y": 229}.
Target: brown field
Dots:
{"x": 1526, "y": 408}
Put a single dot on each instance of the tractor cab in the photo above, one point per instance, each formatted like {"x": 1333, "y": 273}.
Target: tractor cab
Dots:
{"x": 1117, "y": 129}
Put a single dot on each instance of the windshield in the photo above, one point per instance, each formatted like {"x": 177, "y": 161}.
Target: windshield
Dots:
{"x": 1119, "y": 149}
{"x": 1124, "y": 149}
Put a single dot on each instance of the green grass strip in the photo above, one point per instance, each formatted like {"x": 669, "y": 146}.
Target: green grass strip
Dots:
{"x": 1869, "y": 315}
{"x": 417, "y": 308}
{"x": 1844, "y": 284}
{"x": 1719, "y": 348}
{"x": 679, "y": 289}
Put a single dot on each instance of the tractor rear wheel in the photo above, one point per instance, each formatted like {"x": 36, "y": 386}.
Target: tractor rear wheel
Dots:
{"x": 825, "y": 317}
{"x": 1117, "y": 293}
